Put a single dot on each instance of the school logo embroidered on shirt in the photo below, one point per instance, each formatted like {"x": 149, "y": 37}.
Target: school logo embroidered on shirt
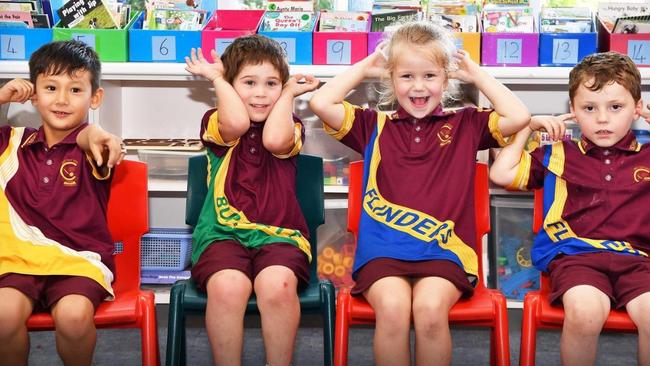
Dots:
{"x": 68, "y": 172}
{"x": 444, "y": 135}
{"x": 641, "y": 174}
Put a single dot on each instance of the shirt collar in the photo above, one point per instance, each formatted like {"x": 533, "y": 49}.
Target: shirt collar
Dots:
{"x": 38, "y": 137}
{"x": 627, "y": 143}
{"x": 402, "y": 114}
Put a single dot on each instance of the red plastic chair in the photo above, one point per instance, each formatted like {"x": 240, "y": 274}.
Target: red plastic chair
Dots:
{"x": 128, "y": 220}
{"x": 487, "y": 308}
{"x": 538, "y": 312}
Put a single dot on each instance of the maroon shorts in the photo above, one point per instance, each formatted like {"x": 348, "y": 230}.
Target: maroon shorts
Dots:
{"x": 385, "y": 267}
{"x": 622, "y": 277}
{"x": 47, "y": 290}
{"x": 229, "y": 254}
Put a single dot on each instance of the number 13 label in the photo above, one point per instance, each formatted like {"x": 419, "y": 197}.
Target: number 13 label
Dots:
{"x": 565, "y": 51}
{"x": 509, "y": 51}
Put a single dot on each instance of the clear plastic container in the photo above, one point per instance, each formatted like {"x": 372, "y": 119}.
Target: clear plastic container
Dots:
{"x": 335, "y": 245}
{"x": 167, "y": 164}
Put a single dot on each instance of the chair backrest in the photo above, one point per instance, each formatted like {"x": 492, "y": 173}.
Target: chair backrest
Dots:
{"x": 128, "y": 220}
{"x": 309, "y": 190}
{"x": 538, "y": 219}
{"x": 481, "y": 206}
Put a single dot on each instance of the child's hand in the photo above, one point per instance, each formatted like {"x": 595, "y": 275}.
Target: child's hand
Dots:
{"x": 198, "y": 65}
{"x": 645, "y": 113}
{"x": 105, "y": 147}
{"x": 16, "y": 90}
{"x": 376, "y": 62}
{"x": 553, "y": 125}
{"x": 467, "y": 68}
{"x": 300, "y": 84}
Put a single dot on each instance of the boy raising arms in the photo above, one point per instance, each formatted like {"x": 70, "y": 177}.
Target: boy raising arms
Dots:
{"x": 56, "y": 252}
{"x": 595, "y": 239}
{"x": 251, "y": 235}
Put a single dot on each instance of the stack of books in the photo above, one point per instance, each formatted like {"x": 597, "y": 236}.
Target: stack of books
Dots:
{"x": 185, "y": 15}
{"x": 566, "y": 20}
{"x": 625, "y": 17}
{"x": 508, "y": 16}
{"x": 457, "y": 16}
{"x": 289, "y": 15}
{"x": 24, "y": 14}
{"x": 343, "y": 21}
{"x": 94, "y": 14}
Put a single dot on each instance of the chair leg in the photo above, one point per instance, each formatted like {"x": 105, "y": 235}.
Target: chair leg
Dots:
{"x": 328, "y": 304}
{"x": 500, "y": 341}
{"x": 529, "y": 330}
{"x": 176, "y": 326}
{"x": 149, "y": 330}
{"x": 342, "y": 328}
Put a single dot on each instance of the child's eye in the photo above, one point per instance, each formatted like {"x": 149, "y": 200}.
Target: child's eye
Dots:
{"x": 589, "y": 108}
{"x": 76, "y": 90}
{"x": 405, "y": 76}
{"x": 430, "y": 76}
{"x": 50, "y": 88}
{"x": 249, "y": 82}
{"x": 617, "y": 107}
{"x": 272, "y": 83}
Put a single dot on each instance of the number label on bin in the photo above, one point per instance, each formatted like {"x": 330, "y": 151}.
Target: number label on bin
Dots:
{"x": 639, "y": 51}
{"x": 86, "y": 38}
{"x": 289, "y": 47}
{"x": 220, "y": 44}
{"x": 163, "y": 48}
{"x": 565, "y": 51}
{"x": 13, "y": 46}
{"x": 339, "y": 51}
{"x": 458, "y": 41}
{"x": 509, "y": 51}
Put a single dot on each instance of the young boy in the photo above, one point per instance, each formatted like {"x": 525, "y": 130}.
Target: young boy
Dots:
{"x": 595, "y": 238}
{"x": 251, "y": 235}
{"x": 55, "y": 247}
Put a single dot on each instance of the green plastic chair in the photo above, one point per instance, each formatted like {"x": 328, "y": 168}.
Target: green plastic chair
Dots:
{"x": 319, "y": 296}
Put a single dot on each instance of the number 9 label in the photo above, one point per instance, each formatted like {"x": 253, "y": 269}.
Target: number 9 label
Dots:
{"x": 163, "y": 48}
{"x": 339, "y": 51}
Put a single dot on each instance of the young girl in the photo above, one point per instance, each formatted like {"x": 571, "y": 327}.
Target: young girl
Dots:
{"x": 415, "y": 251}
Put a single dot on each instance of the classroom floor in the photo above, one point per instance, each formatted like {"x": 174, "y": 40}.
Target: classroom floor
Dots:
{"x": 470, "y": 346}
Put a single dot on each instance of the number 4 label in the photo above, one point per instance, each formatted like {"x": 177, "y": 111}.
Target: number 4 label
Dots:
{"x": 13, "y": 47}
{"x": 639, "y": 51}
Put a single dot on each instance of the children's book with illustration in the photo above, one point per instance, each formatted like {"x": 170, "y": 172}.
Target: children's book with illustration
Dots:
{"x": 86, "y": 14}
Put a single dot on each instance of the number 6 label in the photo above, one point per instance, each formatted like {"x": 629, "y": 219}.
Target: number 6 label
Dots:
{"x": 13, "y": 47}
{"x": 565, "y": 51}
{"x": 163, "y": 48}
{"x": 509, "y": 51}
{"x": 339, "y": 52}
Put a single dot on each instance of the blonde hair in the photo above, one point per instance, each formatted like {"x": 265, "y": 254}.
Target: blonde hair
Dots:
{"x": 431, "y": 40}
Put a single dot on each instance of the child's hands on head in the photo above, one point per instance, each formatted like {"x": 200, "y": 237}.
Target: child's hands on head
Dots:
{"x": 16, "y": 90}
{"x": 198, "y": 65}
{"x": 377, "y": 61}
{"x": 300, "y": 84}
{"x": 466, "y": 69}
{"x": 105, "y": 147}
{"x": 553, "y": 125}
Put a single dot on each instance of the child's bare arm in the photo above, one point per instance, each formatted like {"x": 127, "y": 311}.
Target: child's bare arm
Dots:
{"x": 279, "y": 132}
{"x": 103, "y": 146}
{"x": 233, "y": 117}
{"x": 514, "y": 114}
{"x": 506, "y": 165}
{"x": 16, "y": 90}
{"x": 327, "y": 101}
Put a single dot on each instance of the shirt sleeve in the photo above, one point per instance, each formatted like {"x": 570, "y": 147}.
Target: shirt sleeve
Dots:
{"x": 5, "y": 135}
{"x": 298, "y": 139}
{"x": 358, "y": 125}
{"x": 530, "y": 174}
{"x": 210, "y": 135}
{"x": 486, "y": 124}
{"x": 99, "y": 172}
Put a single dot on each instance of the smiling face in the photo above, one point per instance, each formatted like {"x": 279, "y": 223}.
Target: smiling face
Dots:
{"x": 259, "y": 87}
{"x": 606, "y": 115}
{"x": 63, "y": 101}
{"x": 418, "y": 82}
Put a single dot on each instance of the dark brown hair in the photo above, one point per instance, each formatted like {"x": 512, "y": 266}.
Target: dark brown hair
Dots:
{"x": 600, "y": 69}
{"x": 254, "y": 50}
{"x": 65, "y": 57}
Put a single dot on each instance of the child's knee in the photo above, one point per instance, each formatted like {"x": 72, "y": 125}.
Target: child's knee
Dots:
{"x": 585, "y": 318}
{"x": 73, "y": 314}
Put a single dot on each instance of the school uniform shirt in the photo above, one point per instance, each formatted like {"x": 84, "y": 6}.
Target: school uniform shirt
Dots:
{"x": 53, "y": 204}
{"x": 418, "y": 201}
{"x": 251, "y": 192}
{"x": 595, "y": 198}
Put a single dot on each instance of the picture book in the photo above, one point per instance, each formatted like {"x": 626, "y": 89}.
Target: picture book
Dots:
{"x": 172, "y": 19}
{"x": 609, "y": 12}
{"x": 17, "y": 6}
{"x": 88, "y": 14}
{"x": 632, "y": 24}
{"x": 17, "y": 16}
{"x": 290, "y": 5}
{"x": 386, "y": 18}
{"x": 341, "y": 21}
{"x": 288, "y": 21}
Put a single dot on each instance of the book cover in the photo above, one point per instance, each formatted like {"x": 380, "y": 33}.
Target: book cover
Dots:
{"x": 385, "y": 18}
{"x": 632, "y": 25}
{"x": 17, "y": 16}
{"x": 290, "y": 5}
{"x": 609, "y": 12}
{"x": 86, "y": 14}
{"x": 288, "y": 21}
{"x": 340, "y": 21}
{"x": 171, "y": 19}
{"x": 17, "y": 6}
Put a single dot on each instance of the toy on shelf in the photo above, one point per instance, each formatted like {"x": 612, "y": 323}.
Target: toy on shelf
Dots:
{"x": 336, "y": 265}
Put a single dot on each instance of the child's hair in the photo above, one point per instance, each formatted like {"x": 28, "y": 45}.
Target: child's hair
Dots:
{"x": 254, "y": 50}
{"x": 605, "y": 68}
{"x": 65, "y": 57}
{"x": 433, "y": 41}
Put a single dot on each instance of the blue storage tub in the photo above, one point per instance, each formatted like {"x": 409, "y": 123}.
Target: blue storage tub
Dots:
{"x": 566, "y": 49}
{"x": 20, "y": 43}
{"x": 166, "y": 249}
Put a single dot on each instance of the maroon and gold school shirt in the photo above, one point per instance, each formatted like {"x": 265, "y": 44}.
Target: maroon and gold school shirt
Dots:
{"x": 596, "y": 197}
{"x": 52, "y": 208}
{"x": 426, "y": 165}
{"x": 258, "y": 184}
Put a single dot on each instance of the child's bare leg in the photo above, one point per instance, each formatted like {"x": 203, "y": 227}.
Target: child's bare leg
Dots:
{"x": 390, "y": 298}
{"x": 639, "y": 310}
{"x": 15, "y": 308}
{"x": 277, "y": 299}
{"x": 228, "y": 292}
{"x": 432, "y": 299}
{"x": 585, "y": 310}
{"x": 75, "y": 329}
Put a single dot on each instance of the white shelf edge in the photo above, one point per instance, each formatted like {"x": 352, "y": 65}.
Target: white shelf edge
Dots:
{"x": 176, "y": 71}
